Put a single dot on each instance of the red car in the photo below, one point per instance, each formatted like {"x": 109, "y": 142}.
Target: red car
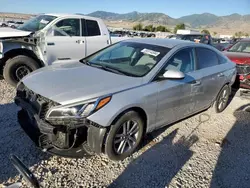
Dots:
{"x": 240, "y": 54}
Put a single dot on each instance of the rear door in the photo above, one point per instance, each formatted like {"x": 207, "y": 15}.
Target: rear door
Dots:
{"x": 65, "y": 41}
{"x": 96, "y": 39}
{"x": 213, "y": 77}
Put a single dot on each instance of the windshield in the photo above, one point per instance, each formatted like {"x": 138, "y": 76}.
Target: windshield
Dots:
{"x": 242, "y": 46}
{"x": 131, "y": 58}
{"x": 37, "y": 23}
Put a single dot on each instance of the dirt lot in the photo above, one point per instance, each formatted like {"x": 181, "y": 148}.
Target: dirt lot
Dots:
{"x": 190, "y": 153}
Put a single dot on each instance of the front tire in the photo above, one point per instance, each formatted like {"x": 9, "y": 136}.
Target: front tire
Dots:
{"x": 124, "y": 136}
{"x": 18, "y": 67}
{"x": 222, "y": 99}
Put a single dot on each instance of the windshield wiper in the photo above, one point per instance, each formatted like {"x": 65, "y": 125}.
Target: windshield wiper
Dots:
{"x": 85, "y": 62}
{"x": 106, "y": 68}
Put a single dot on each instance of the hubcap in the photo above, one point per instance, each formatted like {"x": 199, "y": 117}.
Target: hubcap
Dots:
{"x": 223, "y": 100}
{"x": 126, "y": 137}
{"x": 22, "y": 71}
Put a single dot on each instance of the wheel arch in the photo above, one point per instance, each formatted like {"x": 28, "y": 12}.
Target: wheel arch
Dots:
{"x": 137, "y": 109}
{"x": 216, "y": 97}
{"x": 20, "y": 51}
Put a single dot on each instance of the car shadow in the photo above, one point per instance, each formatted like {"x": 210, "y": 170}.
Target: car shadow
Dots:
{"x": 157, "y": 166}
{"x": 233, "y": 164}
{"x": 13, "y": 140}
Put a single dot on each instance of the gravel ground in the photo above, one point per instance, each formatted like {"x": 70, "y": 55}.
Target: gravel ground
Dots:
{"x": 214, "y": 153}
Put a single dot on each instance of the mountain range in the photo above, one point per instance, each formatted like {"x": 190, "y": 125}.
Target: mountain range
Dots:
{"x": 227, "y": 24}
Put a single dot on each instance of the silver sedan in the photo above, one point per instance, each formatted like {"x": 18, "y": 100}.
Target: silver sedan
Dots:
{"x": 108, "y": 101}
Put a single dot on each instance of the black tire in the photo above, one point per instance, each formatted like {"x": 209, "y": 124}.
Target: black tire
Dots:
{"x": 111, "y": 147}
{"x": 221, "y": 99}
{"x": 12, "y": 65}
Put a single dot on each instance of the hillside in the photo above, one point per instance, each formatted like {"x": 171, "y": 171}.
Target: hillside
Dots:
{"x": 220, "y": 24}
{"x": 154, "y": 18}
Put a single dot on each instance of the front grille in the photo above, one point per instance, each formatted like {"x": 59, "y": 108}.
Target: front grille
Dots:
{"x": 243, "y": 69}
{"x": 40, "y": 104}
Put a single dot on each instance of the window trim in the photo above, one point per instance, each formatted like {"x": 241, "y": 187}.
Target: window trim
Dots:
{"x": 68, "y": 19}
{"x": 197, "y": 67}
{"x": 155, "y": 77}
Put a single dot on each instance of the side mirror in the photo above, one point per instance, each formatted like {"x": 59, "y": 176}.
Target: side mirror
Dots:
{"x": 173, "y": 74}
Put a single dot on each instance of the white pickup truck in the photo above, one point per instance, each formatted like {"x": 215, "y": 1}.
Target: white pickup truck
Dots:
{"x": 47, "y": 38}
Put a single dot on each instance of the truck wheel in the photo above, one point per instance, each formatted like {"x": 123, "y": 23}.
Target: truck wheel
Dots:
{"x": 18, "y": 67}
{"x": 124, "y": 136}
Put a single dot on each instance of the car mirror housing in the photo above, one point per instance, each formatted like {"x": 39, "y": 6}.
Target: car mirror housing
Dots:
{"x": 173, "y": 74}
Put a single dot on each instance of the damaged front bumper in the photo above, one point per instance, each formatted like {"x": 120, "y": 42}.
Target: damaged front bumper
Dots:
{"x": 243, "y": 76}
{"x": 82, "y": 140}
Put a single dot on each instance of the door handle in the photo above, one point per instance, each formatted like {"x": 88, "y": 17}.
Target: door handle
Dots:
{"x": 195, "y": 83}
{"x": 50, "y": 43}
{"x": 221, "y": 75}
{"x": 80, "y": 41}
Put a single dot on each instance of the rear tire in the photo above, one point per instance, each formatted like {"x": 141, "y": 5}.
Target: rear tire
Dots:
{"x": 18, "y": 67}
{"x": 124, "y": 136}
{"x": 222, "y": 99}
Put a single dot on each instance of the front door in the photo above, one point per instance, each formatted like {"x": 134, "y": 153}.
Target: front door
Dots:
{"x": 176, "y": 98}
{"x": 64, "y": 41}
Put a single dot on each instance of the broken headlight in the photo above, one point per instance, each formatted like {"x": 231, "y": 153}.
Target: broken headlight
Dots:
{"x": 77, "y": 111}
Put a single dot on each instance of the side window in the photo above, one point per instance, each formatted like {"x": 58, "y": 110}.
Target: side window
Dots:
{"x": 182, "y": 61}
{"x": 206, "y": 58}
{"x": 222, "y": 59}
{"x": 92, "y": 28}
{"x": 67, "y": 27}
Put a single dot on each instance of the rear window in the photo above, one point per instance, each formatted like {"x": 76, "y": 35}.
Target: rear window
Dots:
{"x": 222, "y": 59}
{"x": 92, "y": 28}
{"x": 206, "y": 58}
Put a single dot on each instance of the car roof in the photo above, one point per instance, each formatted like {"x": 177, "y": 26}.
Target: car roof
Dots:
{"x": 71, "y": 15}
{"x": 169, "y": 43}
{"x": 245, "y": 39}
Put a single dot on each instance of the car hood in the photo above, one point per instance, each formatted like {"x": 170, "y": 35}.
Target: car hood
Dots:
{"x": 6, "y": 32}
{"x": 238, "y": 58}
{"x": 72, "y": 82}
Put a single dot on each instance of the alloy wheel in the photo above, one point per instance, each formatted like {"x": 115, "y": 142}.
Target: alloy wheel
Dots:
{"x": 126, "y": 137}
{"x": 223, "y": 99}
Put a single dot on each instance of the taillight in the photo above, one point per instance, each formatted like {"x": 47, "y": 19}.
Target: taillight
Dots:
{"x": 241, "y": 77}
{"x": 248, "y": 77}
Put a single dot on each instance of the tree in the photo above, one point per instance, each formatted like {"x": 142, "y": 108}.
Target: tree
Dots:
{"x": 246, "y": 35}
{"x": 239, "y": 34}
{"x": 138, "y": 27}
{"x": 161, "y": 28}
{"x": 215, "y": 33}
{"x": 179, "y": 26}
{"x": 205, "y": 31}
{"x": 149, "y": 28}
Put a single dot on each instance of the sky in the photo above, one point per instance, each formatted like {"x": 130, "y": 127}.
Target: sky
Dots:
{"x": 173, "y": 8}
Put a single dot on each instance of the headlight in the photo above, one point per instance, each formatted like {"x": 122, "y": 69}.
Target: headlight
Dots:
{"x": 77, "y": 111}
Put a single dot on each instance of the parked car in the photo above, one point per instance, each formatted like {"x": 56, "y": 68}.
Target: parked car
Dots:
{"x": 239, "y": 53}
{"x": 3, "y": 24}
{"x": 222, "y": 46}
{"x": 199, "y": 38}
{"x": 47, "y": 38}
{"x": 11, "y": 24}
{"x": 108, "y": 101}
